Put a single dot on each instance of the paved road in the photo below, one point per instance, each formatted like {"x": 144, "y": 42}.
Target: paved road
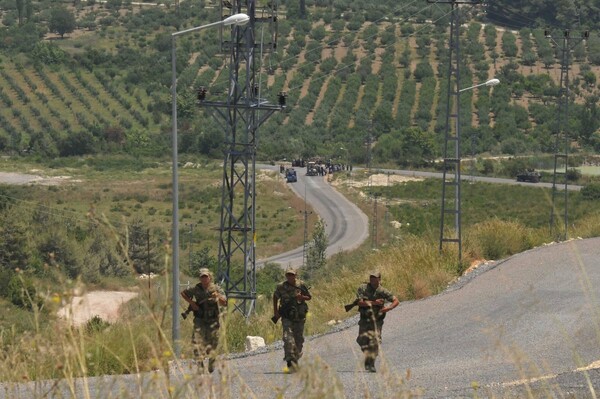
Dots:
{"x": 535, "y": 315}
{"x": 347, "y": 227}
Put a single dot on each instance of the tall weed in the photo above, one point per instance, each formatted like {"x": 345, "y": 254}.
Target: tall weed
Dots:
{"x": 497, "y": 239}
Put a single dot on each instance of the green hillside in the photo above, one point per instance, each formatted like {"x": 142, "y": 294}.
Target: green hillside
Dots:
{"x": 353, "y": 74}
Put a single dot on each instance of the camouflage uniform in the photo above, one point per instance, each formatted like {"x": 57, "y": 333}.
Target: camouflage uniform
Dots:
{"x": 371, "y": 321}
{"x": 205, "y": 337}
{"x": 293, "y": 316}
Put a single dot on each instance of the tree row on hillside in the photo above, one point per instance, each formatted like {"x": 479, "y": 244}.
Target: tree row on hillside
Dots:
{"x": 387, "y": 68}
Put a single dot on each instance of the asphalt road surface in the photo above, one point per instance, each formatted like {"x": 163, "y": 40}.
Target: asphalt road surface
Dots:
{"x": 534, "y": 315}
{"x": 346, "y": 226}
{"x": 528, "y": 324}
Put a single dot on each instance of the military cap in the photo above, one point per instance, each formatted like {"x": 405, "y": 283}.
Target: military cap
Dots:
{"x": 205, "y": 272}
{"x": 375, "y": 273}
{"x": 290, "y": 270}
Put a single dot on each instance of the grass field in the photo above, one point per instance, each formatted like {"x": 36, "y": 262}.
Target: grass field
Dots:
{"x": 585, "y": 170}
{"x": 498, "y": 221}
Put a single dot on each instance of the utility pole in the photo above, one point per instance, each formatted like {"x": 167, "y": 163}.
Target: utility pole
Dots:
{"x": 374, "y": 241}
{"x": 451, "y": 190}
{"x": 304, "y": 247}
{"x": 148, "y": 265}
{"x": 240, "y": 117}
{"x": 190, "y": 251}
{"x": 368, "y": 144}
{"x": 562, "y": 140}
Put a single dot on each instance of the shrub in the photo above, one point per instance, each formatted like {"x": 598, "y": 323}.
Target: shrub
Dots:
{"x": 202, "y": 259}
{"x": 497, "y": 239}
{"x": 591, "y": 191}
{"x": 22, "y": 293}
{"x": 96, "y": 324}
{"x": 573, "y": 174}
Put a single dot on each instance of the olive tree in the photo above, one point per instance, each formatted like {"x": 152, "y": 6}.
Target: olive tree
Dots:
{"x": 61, "y": 21}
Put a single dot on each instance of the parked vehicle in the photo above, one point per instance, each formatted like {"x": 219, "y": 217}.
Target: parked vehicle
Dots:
{"x": 290, "y": 175}
{"x": 530, "y": 176}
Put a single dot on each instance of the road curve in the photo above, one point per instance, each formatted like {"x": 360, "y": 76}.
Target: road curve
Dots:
{"x": 533, "y": 315}
{"x": 528, "y": 322}
{"x": 347, "y": 227}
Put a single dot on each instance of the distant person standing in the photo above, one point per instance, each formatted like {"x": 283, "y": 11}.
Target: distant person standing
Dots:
{"x": 289, "y": 303}
{"x": 371, "y": 298}
{"x": 205, "y": 300}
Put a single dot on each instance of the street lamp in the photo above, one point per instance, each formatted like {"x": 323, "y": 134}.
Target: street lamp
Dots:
{"x": 457, "y": 177}
{"x": 347, "y": 158}
{"x": 457, "y": 199}
{"x": 236, "y": 20}
{"x": 491, "y": 82}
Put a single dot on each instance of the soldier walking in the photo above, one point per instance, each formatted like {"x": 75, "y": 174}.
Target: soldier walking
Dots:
{"x": 289, "y": 303}
{"x": 371, "y": 298}
{"x": 205, "y": 300}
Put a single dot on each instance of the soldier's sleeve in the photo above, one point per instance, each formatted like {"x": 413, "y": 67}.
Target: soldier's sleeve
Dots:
{"x": 220, "y": 290}
{"x": 360, "y": 293}
{"x": 277, "y": 293}
{"x": 189, "y": 293}
{"x": 387, "y": 295}
{"x": 305, "y": 287}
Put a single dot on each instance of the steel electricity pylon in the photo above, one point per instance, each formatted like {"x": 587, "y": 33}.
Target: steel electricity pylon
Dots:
{"x": 562, "y": 142}
{"x": 240, "y": 116}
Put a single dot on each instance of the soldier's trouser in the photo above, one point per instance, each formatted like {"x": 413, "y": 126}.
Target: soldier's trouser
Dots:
{"x": 205, "y": 338}
{"x": 369, "y": 337}
{"x": 293, "y": 339}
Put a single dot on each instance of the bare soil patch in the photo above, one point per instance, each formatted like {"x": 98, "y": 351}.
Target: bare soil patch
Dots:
{"x": 104, "y": 304}
{"x": 24, "y": 178}
{"x": 380, "y": 179}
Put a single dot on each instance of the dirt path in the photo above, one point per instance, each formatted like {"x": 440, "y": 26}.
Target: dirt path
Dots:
{"x": 23, "y": 178}
{"x": 104, "y": 304}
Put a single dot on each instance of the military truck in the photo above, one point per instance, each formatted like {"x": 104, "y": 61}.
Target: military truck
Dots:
{"x": 312, "y": 169}
{"x": 530, "y": 176}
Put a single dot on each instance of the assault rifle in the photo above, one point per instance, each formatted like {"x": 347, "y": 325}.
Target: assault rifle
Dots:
{"x": 191, "y": 306}
{"x": 349, "y": 306}
{"x": 303, "y": 290}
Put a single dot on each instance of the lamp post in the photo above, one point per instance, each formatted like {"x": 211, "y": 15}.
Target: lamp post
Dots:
{"x": 348, "y": 166}
{"x": 491, "y": 82}
{"x": 457, "y": 177}
{"x": 237, "y": 20}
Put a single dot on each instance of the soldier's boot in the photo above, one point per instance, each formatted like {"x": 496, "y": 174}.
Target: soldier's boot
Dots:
{"x": 211, "y": 365}
{"x": 370, "y": 364}
{"x": 292, "y": 366}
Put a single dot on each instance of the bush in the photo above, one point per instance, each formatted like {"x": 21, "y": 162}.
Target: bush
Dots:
{"x": 22, "y": 293}
{"x": 497, "y": 239}
{"x": 573, "y": 174}
{"x": 591, "y": 191}
{"x": 96, "y": 324}
{"x": 202, "y": 259}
